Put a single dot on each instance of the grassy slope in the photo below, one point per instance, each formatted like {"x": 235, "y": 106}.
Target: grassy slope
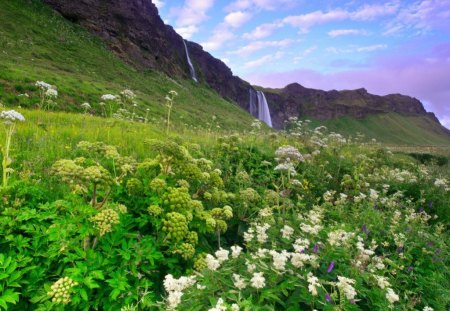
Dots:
{"x": 38, "y": 44}
{"x": 392, "y": 128}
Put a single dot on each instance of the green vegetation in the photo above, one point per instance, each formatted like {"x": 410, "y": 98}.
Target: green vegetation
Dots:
{"x": 109, "y": 214}
{"x": 391, "y": 128}
{"x": 37, "y": 44}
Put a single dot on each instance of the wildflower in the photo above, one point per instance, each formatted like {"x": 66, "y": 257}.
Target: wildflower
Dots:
{"x": 391, "y": 296}
{"x": 220, "y": 306}
{"x": 61, "y": 290}
{"x": 382, "y": 282}
{"x": 108, "y": 97}
{"x": 330, "y": 267}
{"x": 328, "y": 297}
{"x": 86, "y": 106}
{"x": 279, "y": 259}
{"x": 51, "y": 93}
{"x": 234, "y": 307}
{"x": 261, "y": 235}
{"x": 258, "y": 281}
{"x": 12, "y": 116}
{"x": 238, "y": 281}
{"x": 235, "y": 251}
{"x": 222, "y": 255}
{"x": 427, "y": 308}
{"x": 287, "y": 232}
{"x": 212, "y": 263}
{"x": 313, "y": 283}
{"x": 345, "y": 285}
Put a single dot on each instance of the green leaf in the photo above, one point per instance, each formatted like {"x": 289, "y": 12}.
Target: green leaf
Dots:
{"x": 83, "y": 294}
{"x": 10, "y": 296}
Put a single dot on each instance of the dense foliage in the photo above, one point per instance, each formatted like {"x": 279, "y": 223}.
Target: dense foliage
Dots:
{"x": 297, "y": 220}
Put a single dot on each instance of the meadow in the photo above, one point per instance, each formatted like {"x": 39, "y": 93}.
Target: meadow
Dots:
{"x": 123, "y": 212}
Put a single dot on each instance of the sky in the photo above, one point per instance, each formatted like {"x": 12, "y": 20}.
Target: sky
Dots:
{"x": 396, "y": 46}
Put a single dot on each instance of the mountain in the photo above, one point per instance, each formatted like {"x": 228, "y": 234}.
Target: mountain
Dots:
{"x": 144, "y": 54}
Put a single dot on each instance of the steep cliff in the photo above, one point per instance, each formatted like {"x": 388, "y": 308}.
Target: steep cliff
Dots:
{"x": 296, "y": 100}
{"x": 134, "y": 30}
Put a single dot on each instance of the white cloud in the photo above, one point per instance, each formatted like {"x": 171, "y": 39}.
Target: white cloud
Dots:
{"x": 187, "y": 32}
{"x": 219, "y": 36}
{"x": 305, "y": 53}
{"x": 361, "y": 49}
{"x": 264, "y": 60}
{"x": 421, "y": 17}
{"x": 262, "y": 31}
{"x": 259, "y": 45}
{"x": 191, "y": 14}
{"x": 237, "y": 19}
{"x": 267, "y": 5}
{"x": 367, "y": 12}
{"x": 345, "y": 32}
{"x": 158, "y": 3}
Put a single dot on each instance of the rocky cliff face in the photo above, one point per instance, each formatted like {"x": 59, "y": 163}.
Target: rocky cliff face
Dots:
{"x": 296, "y": 100}
{"x": 134, "y": 30}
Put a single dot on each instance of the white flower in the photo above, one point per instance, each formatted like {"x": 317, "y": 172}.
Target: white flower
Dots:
{"x": 258, "y": 280}
{"x": 12, "y": 116}
{"x": 280, "y": 259}
{"x": 261, "y": 234}
{"x": 175, "y": 288}
{"x": 287, "y": 231}
{"x": 427, "y": 308}
{"x": 250, "y": 267}
{"x": 86, "y": 106}
{"x": 234, "y": 307}
{"x": 220, "y": 306}
{"x": 373, "y": 194}
{"x": 344, "y": 284}
{"x": 235, "y": 251}
{"x": 128, "y": 94}
{"x": 173, "y": 300}
{"x": 298, "y": 260}
{"x": 107, "y": 97}
{"x": 391, "y": 296}
{"x": 43, "y": 85}
{"x": 313, "y": 283}
{"x": 238, "y": 281}
{"x": 288, "y": 154}
{"x": 222, "y": 255}
{"x": 382, "y": 282}
{"x": 51, "y": 93}
{"x": 212, "y": 263}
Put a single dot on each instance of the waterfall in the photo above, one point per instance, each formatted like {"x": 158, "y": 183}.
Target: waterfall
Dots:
{"x": 191, "y": 67}
{"x": 260, "y": 111}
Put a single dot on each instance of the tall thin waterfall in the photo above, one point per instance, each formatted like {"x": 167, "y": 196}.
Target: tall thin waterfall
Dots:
{"x": 260, "y": 111}
{"x": 191, "y": 67}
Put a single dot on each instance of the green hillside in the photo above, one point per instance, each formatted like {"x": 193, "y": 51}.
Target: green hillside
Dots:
{"x": 38, "y": 44}
{"x": 391, "y": 128}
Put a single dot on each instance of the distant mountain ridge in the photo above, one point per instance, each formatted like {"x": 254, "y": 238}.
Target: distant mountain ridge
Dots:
{"x": 135, "y": 32}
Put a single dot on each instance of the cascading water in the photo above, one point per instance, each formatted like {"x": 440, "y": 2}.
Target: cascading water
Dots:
{"x": 191, "y": 67}
{"x": 260, "y": 111}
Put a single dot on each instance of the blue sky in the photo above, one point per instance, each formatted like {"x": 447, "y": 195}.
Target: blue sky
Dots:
{"x": 393, "y": 46}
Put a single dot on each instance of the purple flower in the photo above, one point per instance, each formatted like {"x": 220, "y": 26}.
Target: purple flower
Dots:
{"x": 328, "y": 297}
{"x": 429, "y": 244}
{"x": 421, "y": 210}
{"x": 430, "y": 205}
{"x": 410, "y": 268}
{"x": 330, "y": 267}
{"x": 316, "y": 248}
{"x": 364, "y": 229}
{"x": 400, "y": 249}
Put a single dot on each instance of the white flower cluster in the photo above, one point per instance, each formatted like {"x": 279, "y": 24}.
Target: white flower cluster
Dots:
{"x": 11, "y": 116}
{"x": 174, "y": 288}
{"x": 441, "y": 183}
{"x": 220, "y": 306}
{"x": 345, "y": 285}
{"x": 258, "y": 280}
{"x": 340, "y": 237}
{"x": 128, "y": 94}
{"x": 108, "y": 97}
{"x": 261, "y": 234}
{"x": 287, "y": 232}
{"x": 313, "y": 284}
{"x": 288, "y": 157}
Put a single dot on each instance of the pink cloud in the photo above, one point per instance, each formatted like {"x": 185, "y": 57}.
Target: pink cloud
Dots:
{"x": 426, "y": 78}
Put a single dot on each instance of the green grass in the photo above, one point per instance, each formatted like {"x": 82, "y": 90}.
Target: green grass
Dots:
{"x": 38, "y": 44}
{"x": 392, "y": 128}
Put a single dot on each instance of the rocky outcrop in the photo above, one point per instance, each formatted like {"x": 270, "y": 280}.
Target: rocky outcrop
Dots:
{"x": 134, "y": 30}
{"x": 295, "y": 100}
